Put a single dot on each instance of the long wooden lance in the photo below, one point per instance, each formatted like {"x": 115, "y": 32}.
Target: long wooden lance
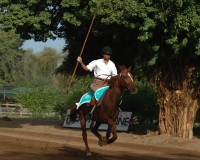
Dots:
{"x": 94, "y": 16}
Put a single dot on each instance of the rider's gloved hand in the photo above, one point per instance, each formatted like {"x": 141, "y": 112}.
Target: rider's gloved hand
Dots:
{"x": 79, "y": 59}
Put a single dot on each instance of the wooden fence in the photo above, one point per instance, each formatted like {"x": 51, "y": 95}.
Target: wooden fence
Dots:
{"x": 13, "y": 109}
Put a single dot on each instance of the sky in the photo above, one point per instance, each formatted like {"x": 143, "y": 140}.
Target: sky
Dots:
{"x": 57, "y": 44}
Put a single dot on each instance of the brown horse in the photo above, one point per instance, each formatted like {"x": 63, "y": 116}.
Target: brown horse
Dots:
{"x": 108, "y": 110}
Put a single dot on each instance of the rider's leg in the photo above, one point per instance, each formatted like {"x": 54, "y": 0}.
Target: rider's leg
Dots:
{"x": 93, "y": 101}
{"x": 108, "y": 131}
{"x": 111, "y": 129}
{"x": 114, "y": 133}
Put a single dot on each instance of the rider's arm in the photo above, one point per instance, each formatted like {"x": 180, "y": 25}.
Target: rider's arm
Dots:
{"x": 84, "y": 66}
{"x": 114, "y": 70}
{"x": 79, "y": 59}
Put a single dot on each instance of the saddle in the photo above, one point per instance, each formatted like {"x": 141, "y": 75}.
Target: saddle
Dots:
{"x": 87, "y": 97}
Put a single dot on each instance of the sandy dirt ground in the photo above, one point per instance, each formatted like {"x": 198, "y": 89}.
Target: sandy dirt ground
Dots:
{"x": 40, "y": 139}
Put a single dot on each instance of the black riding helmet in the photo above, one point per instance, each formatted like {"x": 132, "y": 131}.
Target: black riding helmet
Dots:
{"x": 106, "y": 50}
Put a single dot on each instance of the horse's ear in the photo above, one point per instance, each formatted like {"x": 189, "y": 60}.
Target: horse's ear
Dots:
{"x": 129, "y": 68}
{"x": 120, "y": 67}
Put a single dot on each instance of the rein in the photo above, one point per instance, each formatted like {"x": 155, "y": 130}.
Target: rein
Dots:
{"x": 104, "y": 80}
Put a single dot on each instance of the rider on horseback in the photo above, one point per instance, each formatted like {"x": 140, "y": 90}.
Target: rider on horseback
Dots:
{"x": 103, "y": 70}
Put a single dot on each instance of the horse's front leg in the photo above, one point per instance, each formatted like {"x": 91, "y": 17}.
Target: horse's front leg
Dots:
{"x": 96, "y": 133}
{"x": 84, "y": 133}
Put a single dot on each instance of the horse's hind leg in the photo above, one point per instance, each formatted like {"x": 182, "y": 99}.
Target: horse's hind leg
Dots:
{"x": 72, "y": 116}
{"x": 84, "y": 133}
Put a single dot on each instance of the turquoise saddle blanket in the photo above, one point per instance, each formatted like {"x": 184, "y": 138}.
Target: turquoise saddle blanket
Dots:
{"x": 86, "y": 98}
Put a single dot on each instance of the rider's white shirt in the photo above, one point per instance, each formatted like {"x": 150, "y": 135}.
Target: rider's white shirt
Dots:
{"x": 102, "y": 70}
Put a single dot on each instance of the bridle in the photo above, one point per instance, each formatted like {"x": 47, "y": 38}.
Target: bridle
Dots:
{"x": 125, "y": 81}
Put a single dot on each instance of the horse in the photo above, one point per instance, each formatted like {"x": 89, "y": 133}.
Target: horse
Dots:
{"x": 108, "y": 110}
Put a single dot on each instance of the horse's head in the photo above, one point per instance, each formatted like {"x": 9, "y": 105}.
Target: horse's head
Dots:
{"x": 126, "y": 79}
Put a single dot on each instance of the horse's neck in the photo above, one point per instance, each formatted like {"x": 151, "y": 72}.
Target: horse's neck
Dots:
{"x": 115, "y": 86}
{"x": 116, "y": 90}
{"x": 118, "y": 85}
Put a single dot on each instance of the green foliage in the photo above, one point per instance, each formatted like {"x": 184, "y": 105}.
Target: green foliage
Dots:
{"x": 198, "y": 48}
{"x": 10, "y": 57}
{"x": 33, "y": 17}
{"x": 153, "y": 60}
{"x": 37, "y": 69}
{"x": 40, "y": 101}
{"x": 143, "y": 105}
{"x": 48, "y": 60}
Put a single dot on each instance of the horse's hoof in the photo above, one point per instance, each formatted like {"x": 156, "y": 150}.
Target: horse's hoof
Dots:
{"x": 104, "y": 143}
{"x": 89, "y": 154}
{"x": 100, "y": 143}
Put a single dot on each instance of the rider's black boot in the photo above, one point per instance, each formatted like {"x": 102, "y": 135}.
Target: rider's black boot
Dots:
{"x": 93, "y": 104}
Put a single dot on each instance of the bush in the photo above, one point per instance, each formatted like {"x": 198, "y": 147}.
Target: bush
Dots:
{"x": 40, "y": 101}
{"x": 143, "y": 105}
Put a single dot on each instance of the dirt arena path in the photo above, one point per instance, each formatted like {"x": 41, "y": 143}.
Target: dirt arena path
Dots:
{"x": 36, "y": 139}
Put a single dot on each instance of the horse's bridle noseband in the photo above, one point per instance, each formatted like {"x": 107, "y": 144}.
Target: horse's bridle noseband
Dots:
{"x": 127, "y": 84}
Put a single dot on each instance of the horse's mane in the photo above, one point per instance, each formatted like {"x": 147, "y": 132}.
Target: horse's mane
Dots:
{"x": 112, "y": 81}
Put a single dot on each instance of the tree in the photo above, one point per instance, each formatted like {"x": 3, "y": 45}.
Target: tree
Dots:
{"x": 31, "y": 19}
{"x": 10, "y": 57}
{"x": 37, "y": 69}
{"x": 48, "y": 60}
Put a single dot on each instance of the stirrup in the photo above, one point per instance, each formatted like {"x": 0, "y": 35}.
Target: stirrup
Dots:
{"x": 89, "y": 116}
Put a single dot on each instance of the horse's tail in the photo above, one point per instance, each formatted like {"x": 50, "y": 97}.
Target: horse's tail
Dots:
{"x": 73, "y": 113}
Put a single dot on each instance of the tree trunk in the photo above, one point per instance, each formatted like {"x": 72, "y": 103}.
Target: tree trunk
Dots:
{"x": 178, "y": 109}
